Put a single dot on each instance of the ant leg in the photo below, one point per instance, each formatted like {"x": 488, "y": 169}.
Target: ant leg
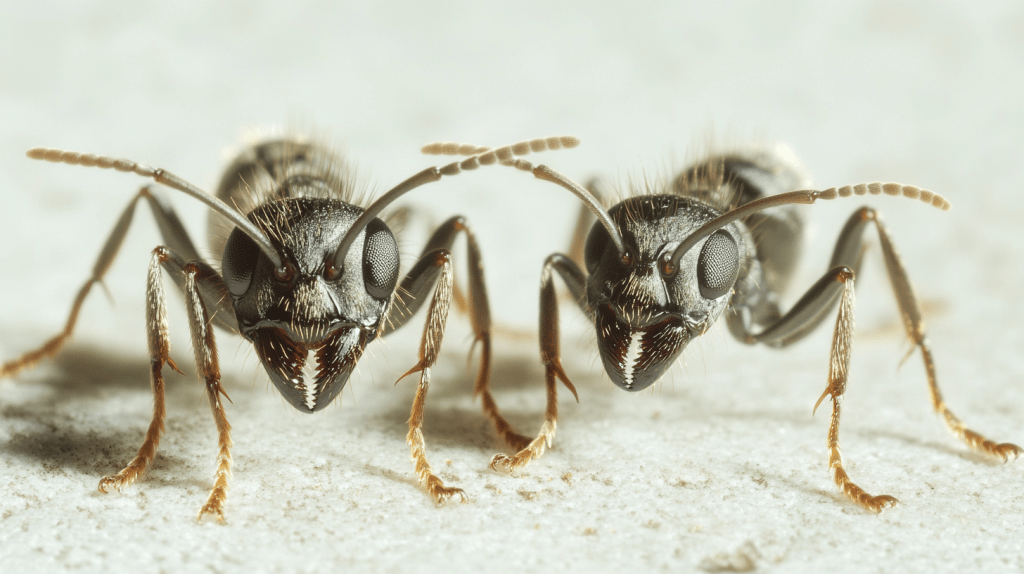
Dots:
{"x": 416, "y": 287}
{"x": 575, "y": 280}
{"x": 205, "y": 348}
{"x": 159, "y": 347}
{"x": 838, "y": 372}
{"x": 816, "y": 303}
{"x": 199, "y": 278}
{"x": 432, "y": 264}
{"x": 530, "y": 449}
{"x": 819, "y": 299}
{"x": 849, "y": 249}
{"x": 174, "y": 235}
{"x": 913, "y": 322}
{"x": 813, "y": 307}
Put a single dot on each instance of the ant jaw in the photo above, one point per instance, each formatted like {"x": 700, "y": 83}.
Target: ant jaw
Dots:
{"x": 285, "y": 359}
{"x": 636, "y": 357}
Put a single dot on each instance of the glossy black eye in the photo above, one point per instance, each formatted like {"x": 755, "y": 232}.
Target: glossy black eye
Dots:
{"x": 239, "y": 262}
{"x": 380, "y": 260}
{"x": 597, "y": 244}
{"x": 718, "y": 265}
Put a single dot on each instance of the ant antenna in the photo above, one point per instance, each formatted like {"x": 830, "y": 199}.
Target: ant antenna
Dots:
{"x": 547, "y": 174}
{"x": 478, "y": 156}
{"x": 170, "y": 180}
{"x": 540, "y": 172}
{"x": 806, "y": 197}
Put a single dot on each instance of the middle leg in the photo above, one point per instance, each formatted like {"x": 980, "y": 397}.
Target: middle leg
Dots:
{"x": 436, "y": 263}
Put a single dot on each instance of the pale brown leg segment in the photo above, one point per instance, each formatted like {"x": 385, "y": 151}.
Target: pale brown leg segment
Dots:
{"x": 551, "y": 356}
{"x": 545, "y": 436}
{"x": 418, "y": 449}
{"x": 159, "y": 347}
{"x": 55, "y": 344}
{"x": 430, "y": 346}
{"x": 103, "y": 262}
{"x": 838, "y": 371}
{"x": 205, "y": 347}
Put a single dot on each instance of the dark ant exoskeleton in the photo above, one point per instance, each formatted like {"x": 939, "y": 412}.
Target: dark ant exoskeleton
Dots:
{"x": 305, "y": 270}
{"x": 660, "y": 267}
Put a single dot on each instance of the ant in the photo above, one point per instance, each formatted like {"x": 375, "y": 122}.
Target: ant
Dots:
{"x": 722, "y": 239}
{"x": 305, "y": 269}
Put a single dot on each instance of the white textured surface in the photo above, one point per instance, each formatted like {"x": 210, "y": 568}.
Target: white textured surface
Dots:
{"x": 722, "y": 460}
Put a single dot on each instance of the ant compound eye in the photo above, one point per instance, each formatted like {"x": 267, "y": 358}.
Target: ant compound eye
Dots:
{"x": 380, "y": 260}
{"x": 597, "y": 243}
{"x": 239, "y": 262}
{"x": 718, "y": 265}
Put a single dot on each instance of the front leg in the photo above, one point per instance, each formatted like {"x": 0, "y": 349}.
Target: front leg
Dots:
{"x": 430, "y": 345}
{"x": 159, "y": 355}
{"x": 197, "y": 277}
{"x": 205, "y": 347}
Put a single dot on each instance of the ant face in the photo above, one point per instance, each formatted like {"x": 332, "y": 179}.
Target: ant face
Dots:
{"x": 308, "y": 306}
{"x": 647, "y": 311}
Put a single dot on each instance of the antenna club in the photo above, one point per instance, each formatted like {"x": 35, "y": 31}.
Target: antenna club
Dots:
{"x": 891, "y": 189}
{"x": 40, "y": 153}
{"x": 503, "y": 153}
{"x": 452, "y": 148}
{"x": 87, "y": 160}
{"x": 567, "y": 142}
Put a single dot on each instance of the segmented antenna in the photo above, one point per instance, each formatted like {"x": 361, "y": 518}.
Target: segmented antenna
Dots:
{"x": 166, "y": 178}
{"x": 803, "y": 197}
{"x": 478, "y": 156}
{"x": 502, "y": 156}
{"x": 503, "y": 153}
{"x": 452, "y": 148}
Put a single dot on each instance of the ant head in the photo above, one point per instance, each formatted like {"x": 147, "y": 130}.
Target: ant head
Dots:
{"x": 646, "y": 311}
{"x": 307, "y": 304}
